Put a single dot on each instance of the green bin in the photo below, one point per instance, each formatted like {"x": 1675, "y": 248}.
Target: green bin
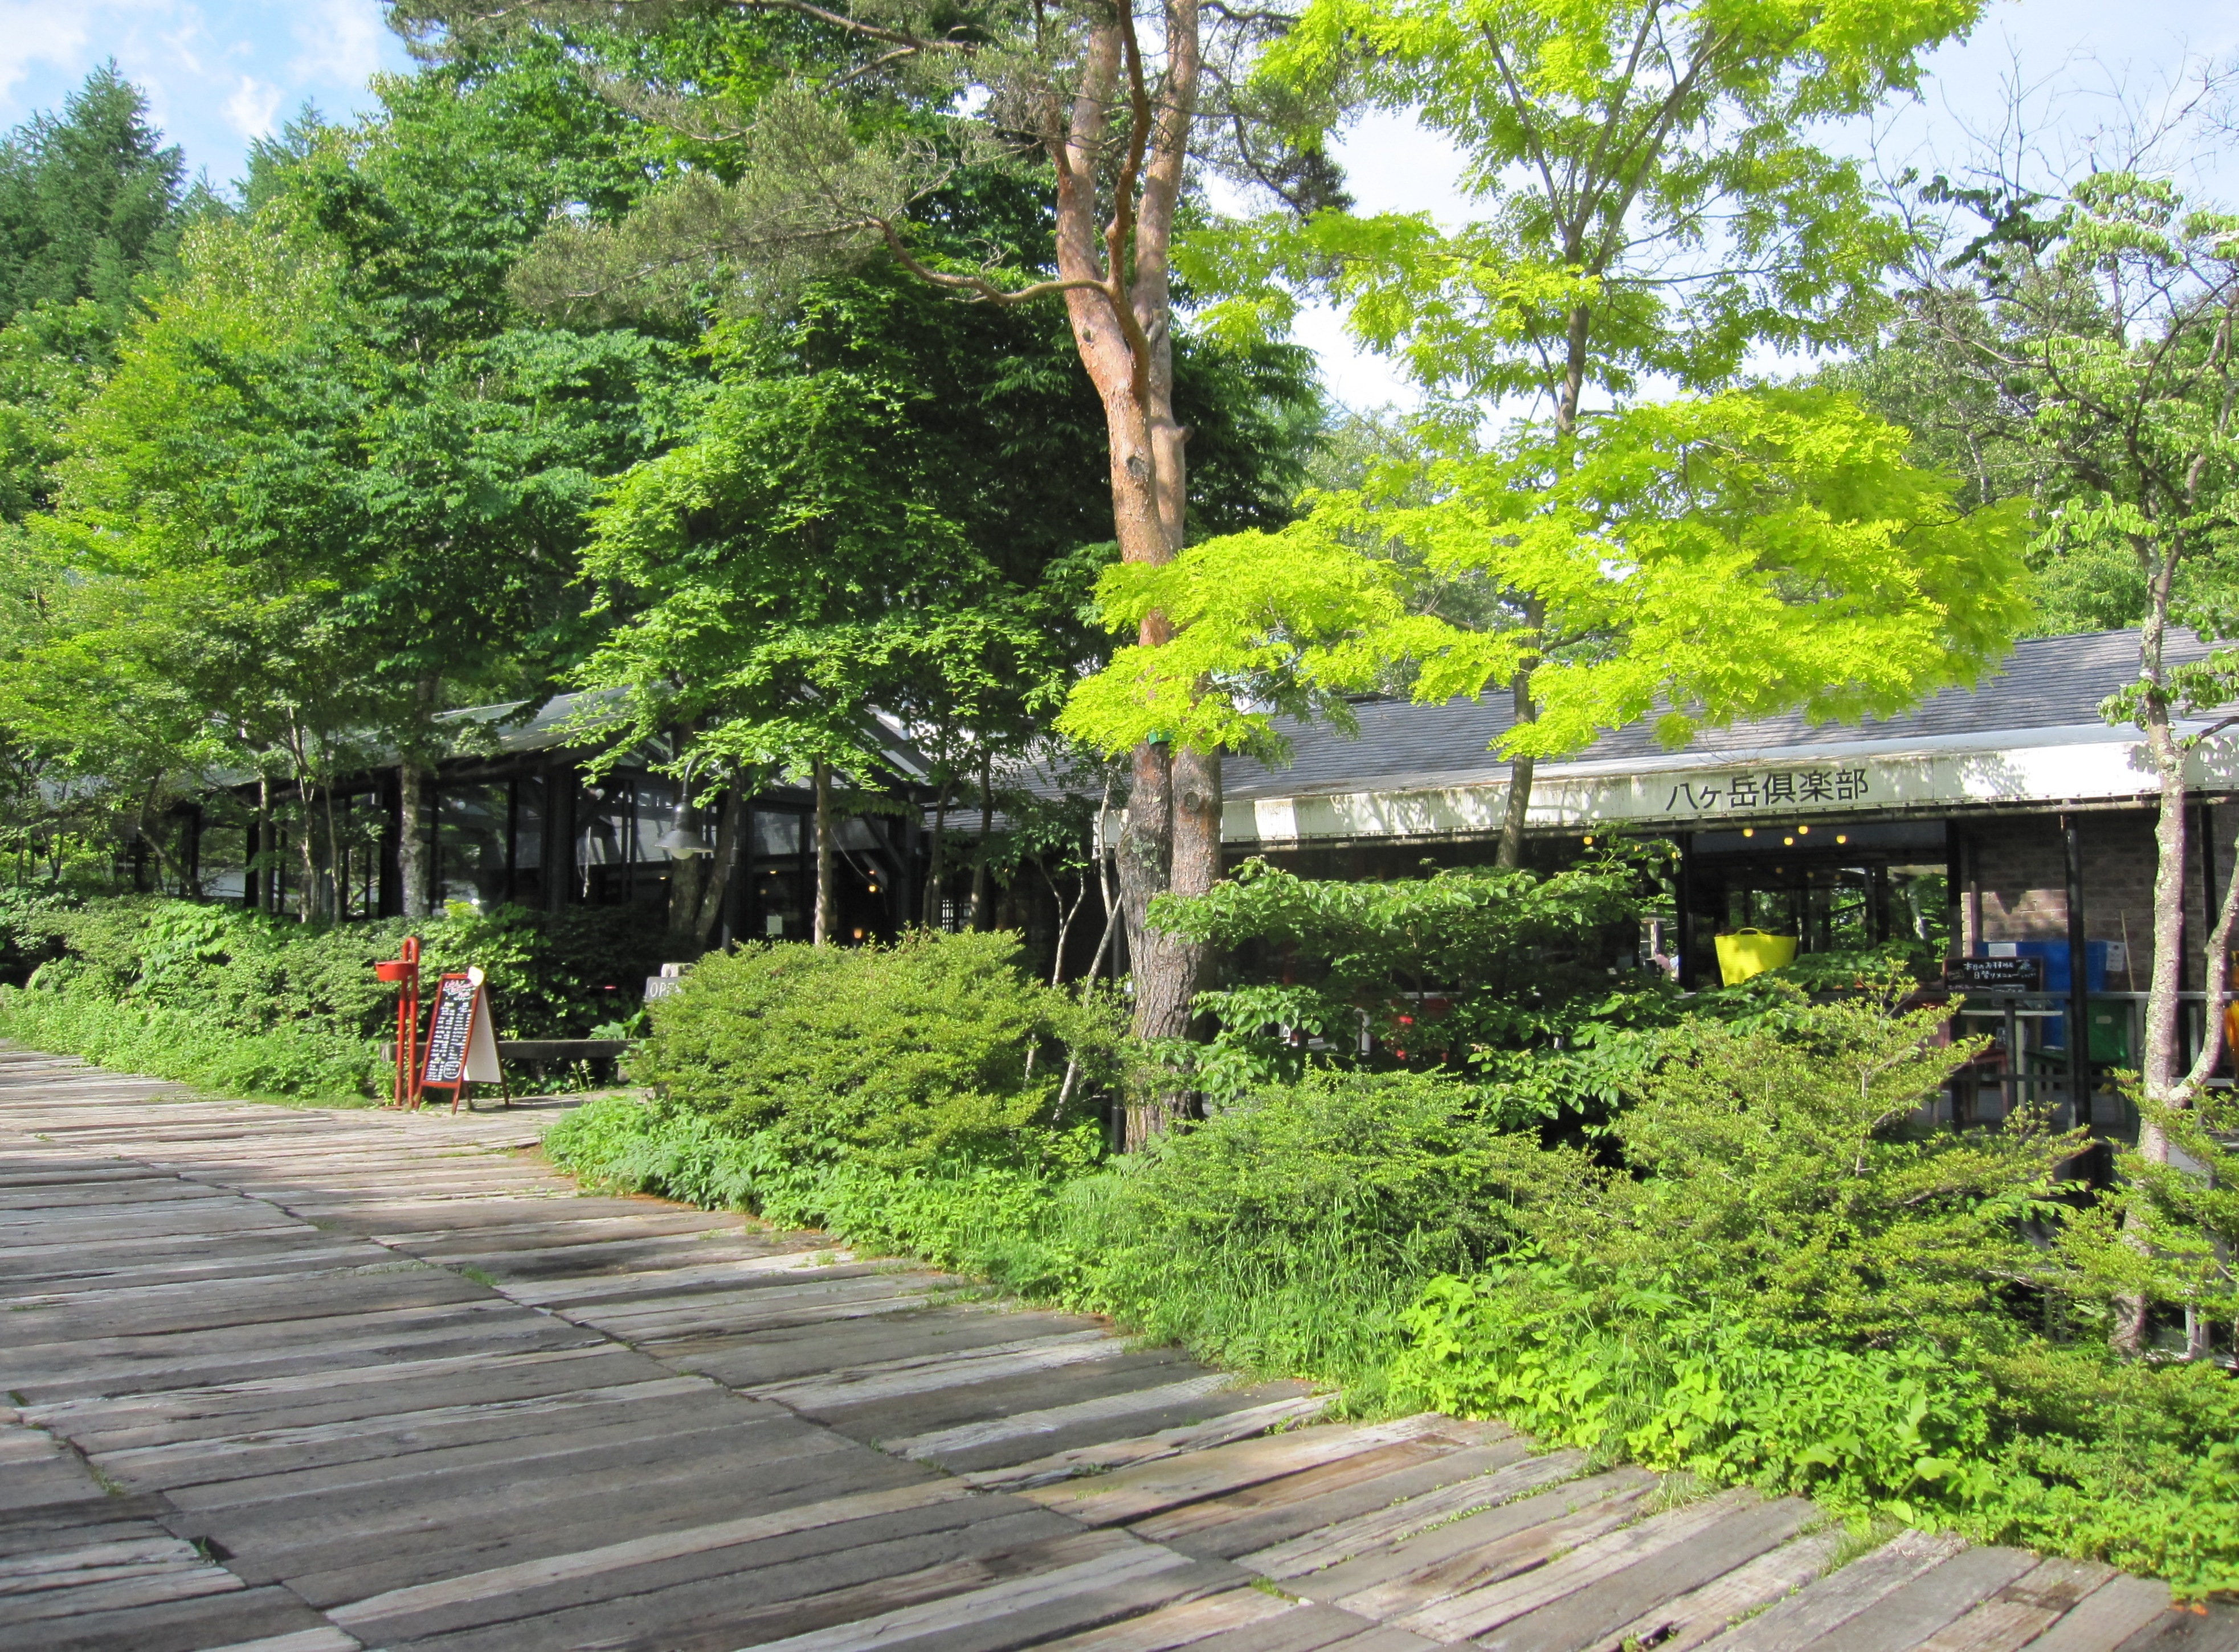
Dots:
{"x": 2109, "y": 1024}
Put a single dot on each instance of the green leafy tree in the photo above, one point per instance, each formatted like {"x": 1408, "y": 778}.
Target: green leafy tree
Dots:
{"x": 1658, "y": 207}
{"x": 1701, "y": 561}
{"x": 92, "y": 205}
{"x": 2103, "y": 321}
{"x": 492, "y": 435}
{"x": 837, "y": 539}
{"x": 848, "y": 140}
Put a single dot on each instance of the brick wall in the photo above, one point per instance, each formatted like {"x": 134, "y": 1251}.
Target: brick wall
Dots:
{"x": 2021, "y": 870}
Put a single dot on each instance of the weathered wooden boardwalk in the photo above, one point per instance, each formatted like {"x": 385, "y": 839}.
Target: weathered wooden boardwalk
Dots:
{"x": 314, "y": 1380}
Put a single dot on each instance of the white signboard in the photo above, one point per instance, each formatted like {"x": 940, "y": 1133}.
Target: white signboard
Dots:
{"x": 1711, "y": 790}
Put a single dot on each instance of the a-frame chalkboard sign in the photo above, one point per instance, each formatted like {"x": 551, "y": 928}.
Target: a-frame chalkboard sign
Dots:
{"x": 461, "y": 1044}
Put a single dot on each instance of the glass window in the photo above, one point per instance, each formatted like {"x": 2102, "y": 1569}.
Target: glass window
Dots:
{"x": 528, "y": 840}
{"x": 777, "y": 896}
{"x": 471, "y": 841}
{"x": 657, "y": 809}
{"x": 224, "y": 857}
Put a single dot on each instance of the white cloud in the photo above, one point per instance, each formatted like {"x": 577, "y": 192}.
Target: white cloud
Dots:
{"x": 342, "y": 40}
{"x": 253, "y": 108}
{"x": 36, "y": 33}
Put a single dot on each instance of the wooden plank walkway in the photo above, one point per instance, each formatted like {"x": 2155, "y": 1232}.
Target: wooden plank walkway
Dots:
{"x": 305, "y": 1381}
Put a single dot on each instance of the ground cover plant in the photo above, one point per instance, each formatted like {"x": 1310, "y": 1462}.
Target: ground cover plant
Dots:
{"x": 240, "y": 1001}
{"x": 1755, "y": 1265}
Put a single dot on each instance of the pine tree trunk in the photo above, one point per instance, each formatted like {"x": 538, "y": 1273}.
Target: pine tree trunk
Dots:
{"x": 1123, "y": 331}
{"x": 828, "y": 894}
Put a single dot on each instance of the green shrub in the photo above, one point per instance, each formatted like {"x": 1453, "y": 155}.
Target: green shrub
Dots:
{"x": 1287, "y": 1232}
{"x": 934, "y": 1046}
{"x": 290, "y": 1061}
{"x": 282, "y": 1008}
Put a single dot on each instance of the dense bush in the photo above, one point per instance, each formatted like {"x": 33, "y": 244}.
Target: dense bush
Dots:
{"x": 1288, "y": 1231}
{"x": 1287, "y": 1235}
{"x": 1760, "y": 1270}
{"x": 934, "y": 1046}
{"x": 1475, "y": 969}
{"x": 269, "y": 1006}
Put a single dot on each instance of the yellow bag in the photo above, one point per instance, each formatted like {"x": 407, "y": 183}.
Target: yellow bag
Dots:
{"x": 1751, "y": 951}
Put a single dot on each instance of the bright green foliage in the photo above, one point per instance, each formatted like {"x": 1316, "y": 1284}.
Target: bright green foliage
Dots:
{"x": 935, "y": 1047}
{"x": 550, "y": 975}
{"x": 1470, "y": 968}
{"x": 1614, "y": 145}
{"x": 1771, "y": 1164}
{"x": 1287, "y": 1231}
{"x": 2168, "y": 1230}
{"x": 1647, "y": 1373}
{"x": 1712, "y": 558}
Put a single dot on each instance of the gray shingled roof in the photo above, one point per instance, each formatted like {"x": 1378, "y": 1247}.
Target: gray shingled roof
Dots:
{"x": 2047, "y": 683}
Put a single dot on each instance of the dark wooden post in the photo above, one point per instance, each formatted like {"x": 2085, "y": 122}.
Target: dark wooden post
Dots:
{"x": 1685, "y": 938}
{"x": 558, "y": 854}
{"x": 2079, "y": 998}
{"x": 389, "y": 901}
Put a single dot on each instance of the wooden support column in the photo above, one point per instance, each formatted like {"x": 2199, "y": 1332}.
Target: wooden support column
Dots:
{"x": 557, "y": 854}
{"x": 1685, "y": 938}
{"x": 2079, "y": 997}
{"x": 389, "y": 901}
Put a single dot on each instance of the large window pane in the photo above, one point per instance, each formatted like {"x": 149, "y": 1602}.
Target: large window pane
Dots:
{"x": 471, "y": 840}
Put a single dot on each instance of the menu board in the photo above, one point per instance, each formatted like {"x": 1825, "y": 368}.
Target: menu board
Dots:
{"x": 1994, "y": 974}
{"x": 460, "y": 1047}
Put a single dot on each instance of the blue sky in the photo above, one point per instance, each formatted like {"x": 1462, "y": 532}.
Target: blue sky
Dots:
{"x": 217, "y": 75}
{"x": 222, "y": 73}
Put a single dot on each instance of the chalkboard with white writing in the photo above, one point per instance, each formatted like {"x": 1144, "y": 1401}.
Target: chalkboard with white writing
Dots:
{"x": 451, "y": 1027}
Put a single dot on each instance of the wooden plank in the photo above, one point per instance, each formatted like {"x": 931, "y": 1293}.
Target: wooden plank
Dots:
{"x": 1342, "y": 1540}
{"x": 1478, "y": 1548}
{"x": 1244, "y": 1424}
{"x": 1802, "y": 1619}
{"x": 1696, "y": 1617}
{"x": 1695, "y": 1557}
{"x": 925, "y": 1373}
{"x": 1377, "y": 1464}
{"x": 1476, "y": 1612}
{"x": 1132, "y": 1494}
{"x": 1123, "y": 1563}
{"x": 2106, "y": 1617}
{"x": 187, "y": 1625}
{"x": 1409, "y": 1599}
{"x": 1907, "y": 1616}
{"x": 1182, "y": 1625}
{"x": 1309, "y": 1503}
{"x": 510, "y": 1579}
{"x": 2024, "y": 1609}
{"x": 811, "y": 1582}
{"x": 1050, "y": 1419}
{"x": 321, "y": 1640}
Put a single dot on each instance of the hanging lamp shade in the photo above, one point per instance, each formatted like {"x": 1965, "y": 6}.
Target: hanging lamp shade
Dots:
{"x": 677, "y": 841}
